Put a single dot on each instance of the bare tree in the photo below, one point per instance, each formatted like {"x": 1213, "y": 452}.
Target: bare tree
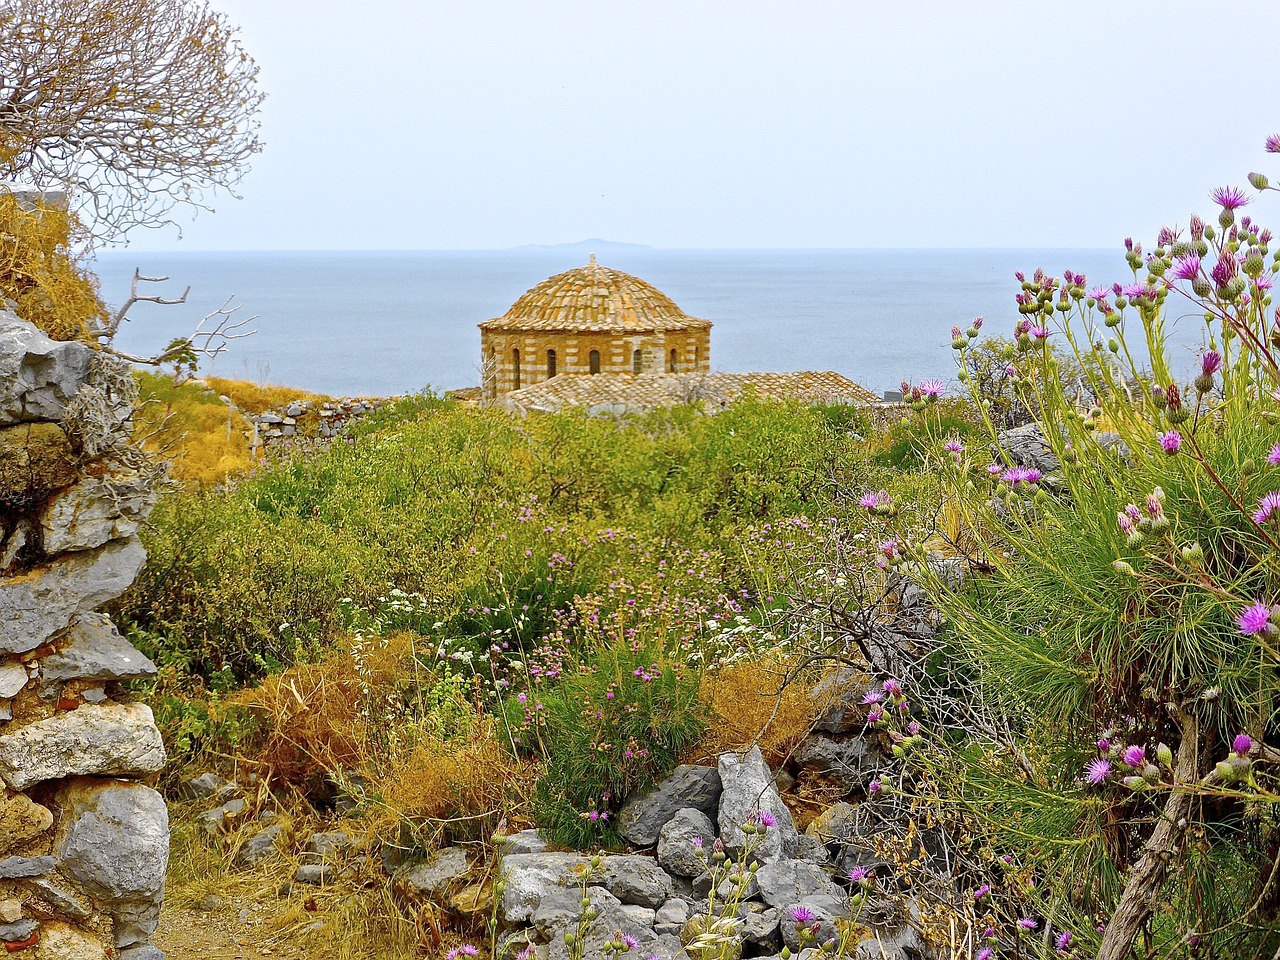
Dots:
{"x": 132, "y": 106}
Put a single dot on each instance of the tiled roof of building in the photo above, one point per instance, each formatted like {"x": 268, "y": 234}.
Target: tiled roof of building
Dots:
{"x": 627, "y": 393}
{"x": 595, "y": 299}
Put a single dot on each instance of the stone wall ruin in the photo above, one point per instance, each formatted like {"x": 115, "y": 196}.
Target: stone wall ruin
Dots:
{"x": 83, "y": 845}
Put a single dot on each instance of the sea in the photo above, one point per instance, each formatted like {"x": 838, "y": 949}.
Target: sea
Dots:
{"x": 383, "y": 323}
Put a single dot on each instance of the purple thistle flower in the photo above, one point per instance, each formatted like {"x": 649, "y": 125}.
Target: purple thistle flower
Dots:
{"x": 875, "y": 715}
{"x": 982, "y": 891}
{"x": 874, "y": 787}
{"x": 860, "y": 875}
{"x": 1133, "y": 512}
{"x": 913, "y": 727}
{"x": 1273, "y": 143}
{"x": 1135, "y": 756}
{"x": 697, "y": 843}
{"x": 1171, "y": 441}
{"x": 983, "y": 954}
{"x": 1097, "y": 771}
{"x": 1063, "y": 941}
{"x": 1211, "y": 362}
{"x": 977, "y": 323}
{"x": 1017, "y": 475}
{"x": 953, "y": 446}
{"x": 1229, "y": 198}
{"x": 1224, "y": 271}
{"x": 995, "y": 468}
{"x": 1040, "y": 333}
{"x": 1099, "y": 293}
{"x": 956, "y": 332}
{"x": 1273, "y": 458}
{"x": 802, "y": 916}
{"x": 1254, "y": 619}
{"x": 893, "y": 688}
{"x": 1242, "y": 744}
{"x": 1266, "y": 507}
{"x": 874, "y": 501}
{"x": 767, "y": 819}
{"x": 1027, "y": 923}
{"x": 872, "y": 697}
{"x": 1104, "y": 745}
{"x": 932, "y": 388}
{"x": 1187, "y": 268}
{"x": 630, "y": 941}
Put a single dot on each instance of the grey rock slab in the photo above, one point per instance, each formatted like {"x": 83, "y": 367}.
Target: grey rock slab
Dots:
{"x": 259, "y": 847}
{"x": 835, "y": 824}
{"x": 671, "y": 916}
{"x": 839, "y": 692}
{"x": 748, "y": 789}
{"x": 41, "y": 602}
{"x": 812, "y": 850}
{"x": 635, "y": 879}
{"x": 848, "y": 762}
{"x": 315, "y": 874}
{"x": 761, "y": 928}
{"x": 18, "y": 930}
{"x": 330, "y": 844}
{"x": 436, "y": 876}
{"x": 641, "y": 818}
{"x": 17, "y": 868}
{"x": 143, "y": 951}
{"x": 113, "y": 842}
{"x": 523, "y": 841}
{"x": 636, "y": 916}
{"x": 785, "y": 882}
{"x": 110, "y": 739}
{"x": 531, "y": 876}
{"x": 38, "y": 375}
{"x": 95, "y": 510}
{"x": 219, "y": 817}
{"x": 92, "y": 649}
{"x": 64, "y": 899}
{"x": 678, "y": 852}
{"x": 210, "y": 786}
{"x": 1026, "y": 446}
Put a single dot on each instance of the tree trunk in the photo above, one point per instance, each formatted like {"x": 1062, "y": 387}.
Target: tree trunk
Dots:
{"x": 1147, "y": 875}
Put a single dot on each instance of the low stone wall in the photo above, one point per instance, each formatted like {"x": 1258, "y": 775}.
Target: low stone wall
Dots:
{"x": 323, "y": 419}
{"x": 83, "y": 846}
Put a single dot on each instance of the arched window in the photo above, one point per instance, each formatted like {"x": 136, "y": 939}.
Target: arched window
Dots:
{"x": 671, "y": 365}
{"x": 593, "y": 361}
{"x": 635, "y": 361}
{"x": 515, "y": 368}
{"x": 551, "y": 364}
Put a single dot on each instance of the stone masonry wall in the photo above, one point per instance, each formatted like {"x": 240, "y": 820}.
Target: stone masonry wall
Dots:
{"x": 83, "y": 845}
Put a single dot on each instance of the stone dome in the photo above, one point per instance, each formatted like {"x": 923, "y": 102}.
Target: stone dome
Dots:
{"x": 595, "y": 299}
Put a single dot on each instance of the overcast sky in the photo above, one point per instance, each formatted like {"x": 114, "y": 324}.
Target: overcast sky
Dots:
{"x": 437, "y": 124}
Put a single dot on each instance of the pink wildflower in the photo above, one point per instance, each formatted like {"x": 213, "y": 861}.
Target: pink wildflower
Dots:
{"x": 1254, "y": 619}
{"x": 1266, "y": 507}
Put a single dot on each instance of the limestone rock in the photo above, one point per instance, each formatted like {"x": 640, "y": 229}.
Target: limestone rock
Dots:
{"x": 143, "y": 951}
{"x": 92, "y": 649}
{"x": 219, "y": 818}
{"x": 435, "y": 877}
{"x": 749, "y": 789}
{"x": 826, "y": 911}
{"x": 35, "y": 460}
{"x": 839, "y": 692}
{"x": 13, "y": 677}
{"x": 38, "y": 375}
{"x": 677, "y": 852}
{"x": 331, "y": 844}
{"x": 523, "y": 841}
{"x": 41, "y": 602}
{"x": 786, "y": 882}
{"x": 258, "y": 848}
{"x": 112, "y": 739}
{"x": 18, "y": 868}
{"x": 1026, "y": 446}
{"x": 848, "y": 762}
{"x": 315, "y": 874}
{"x": 58, "y": 941}
{"x": 531, "y": 876}
{"x": 21, "y": 818}
{"x": 17, "y": 930}
{"x": 61, "y": 897}
{"x": 210, "y": 786}
{"x": 113, "y": 841}
{"x": 10, "y": 911}
{"x": 635, "y": 879}
{"x": 641, "y": 818}
{"x": 671, "y": 916}
{"x": 836, "y": 823}
{"x": 760, "y": 927}
{"x": 95, "y": 510}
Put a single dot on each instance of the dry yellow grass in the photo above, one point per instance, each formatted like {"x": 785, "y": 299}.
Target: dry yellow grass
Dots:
{"x": 257, "y": 398}
{"x": 189, "y": 426}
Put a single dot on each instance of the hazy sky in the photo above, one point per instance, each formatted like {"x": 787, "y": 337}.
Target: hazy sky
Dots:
{"x": 419, "y": 124}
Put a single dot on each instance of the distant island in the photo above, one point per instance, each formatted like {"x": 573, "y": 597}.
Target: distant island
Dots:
{"x": 595, "y": 244}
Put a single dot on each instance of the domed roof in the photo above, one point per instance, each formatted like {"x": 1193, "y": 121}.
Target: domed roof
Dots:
{"x": 595, "y": 299}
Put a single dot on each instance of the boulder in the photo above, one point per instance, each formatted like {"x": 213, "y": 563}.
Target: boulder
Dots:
{"x": 434, "y": 878}
{"x": 38, "y": 375}
{"x": 92, "y": 649}
{"x": 210, "y": 786}
{"x": 531, "y": 876}
{"x": 836, "y": 823}
{"x": 95, "y": 510}
{"x": 677, "y": 850}
{"x": 671, "y": 916}
{"x": 21, "y": 819}
{"x": 1026, "y": 446}
{"x": 142, "y": 951}
{"x": 315, "y": 874}
{"x": 748, "y": 789}
{"x": 112, "y": 740}
{"x": 19, "y": 868}
{"x": 61, "y": 897}
{"x": 849, "y": 762}
{"x": 35, "y": 460}
{"x": 786, "y": 882}
{"x": 331, "y": 844}
{"x": 13, "y": 677}
{"x": 839, "y": 694}
{"x": 641, "y": 818}
{"x": 113, "y": 841}
{"x": 634, "y": 879}
{"x": 523, "y": 841}
{"x": 259, "y": 847}
{"x": 42, "y": 601}
{"x": 760, "y": 927}
{"x": 219, "y": 818}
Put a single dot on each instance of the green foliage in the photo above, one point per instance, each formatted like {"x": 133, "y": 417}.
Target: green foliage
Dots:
{"x": 611, "y": 727}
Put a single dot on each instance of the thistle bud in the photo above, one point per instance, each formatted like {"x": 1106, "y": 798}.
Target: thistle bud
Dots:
{"x": 1136, "y": 784}
{"x": 1124, "y": 568}
{"x": 1248, "y": 468}
{"x": 1164, "y": 755}
{"x": 1113, "y": 345}
{"x": 1151, "y": 773}
{"x": 1225, "y": 771}
{"x": 1258, "y": 181}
